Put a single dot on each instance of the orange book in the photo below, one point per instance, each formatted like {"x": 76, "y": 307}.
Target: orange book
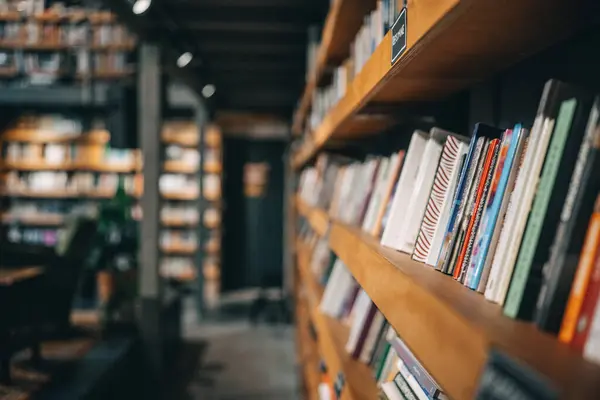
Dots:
{"x": 469, "y": 237}
{"x": 583, "y": 275}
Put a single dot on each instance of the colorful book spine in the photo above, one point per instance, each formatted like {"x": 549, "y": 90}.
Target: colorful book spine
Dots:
{"x": 466, "y": 245}
{"x": 441, "y": 185}
{"x": 584, "y": 280}
{"x": 495, "y": 200}
{"x": 425, "y": 381}
{"x": 513, "y": 305}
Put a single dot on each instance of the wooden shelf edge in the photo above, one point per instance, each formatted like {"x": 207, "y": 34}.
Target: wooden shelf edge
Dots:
{"x": 317, "y": 218}
{"x": 450, "y": 328}
{"x": 332, "y": 337}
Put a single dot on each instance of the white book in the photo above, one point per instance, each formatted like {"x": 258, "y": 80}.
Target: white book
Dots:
{"x": 375, "y": 202}
{"x": 410, "y": 169}
{"x": 523, "y": 205}
{"x": 367, "y": 183}
{"x": 333, "y": 296}
{"x": 372, "y": 336}
{"x": 421, "y": 190}
{"x": 391, "y": 391}
{"x": 448, "y": 201}
{"x": 412, "y": 382}
{"x": 358, "y": 317}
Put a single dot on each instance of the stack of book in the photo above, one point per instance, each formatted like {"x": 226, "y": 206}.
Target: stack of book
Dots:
{"x": 511, "y": 214}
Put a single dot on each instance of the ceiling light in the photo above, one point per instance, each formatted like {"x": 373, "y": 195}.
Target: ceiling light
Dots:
{"x": 141, "y": 6}
{"x": 184, "y": 59}
{"x": 208, "y": 90}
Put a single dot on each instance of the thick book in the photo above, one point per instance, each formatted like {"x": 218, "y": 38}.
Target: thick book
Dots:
{"x": 412, "y": 382}
{"x": 474, "y": 212}
{"x": 497, "y": 203}
{"x": 421, "y": 189}
{"x": 410, "y": 169}
{"x": 554, "y": 94}
{"x": 583, "y": 297}
{"x": 559, "y": 270}
{"x": 465, "y": 196}
{"x": 425, "y": 381}
{"x": 404, "y": 387}
{"x": 391, "y": 391}
{"x": 454, "y": 148}
{"x": 544, "y": 216}
{"x": 373, "y": 334}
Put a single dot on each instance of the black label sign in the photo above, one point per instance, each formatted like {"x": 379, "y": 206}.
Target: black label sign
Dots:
{"x": 399, "y": 36}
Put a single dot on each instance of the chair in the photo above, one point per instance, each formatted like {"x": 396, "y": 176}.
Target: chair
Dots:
{"x": 43, "y": 305}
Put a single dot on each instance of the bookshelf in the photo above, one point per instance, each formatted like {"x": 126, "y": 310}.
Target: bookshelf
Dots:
{"x": 450, "y": 328}
{"x": 451, "y": 44}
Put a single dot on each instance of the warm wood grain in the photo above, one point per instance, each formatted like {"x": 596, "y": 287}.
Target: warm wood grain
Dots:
{"x": 190, "y": 195}
{"x": 332, "y": 337}
{"x": 10, "y": 276}
{"x": 451, "y": 328}
{"x": 179, "y": 167}
{"x": 178, "y": 222}
{"x": 344, "y": 19}
{"x": 179, "y": 248}
{"x": 212, "y": 167}
{"x": 451, "y": 44}
{"x": 317, "y": 218}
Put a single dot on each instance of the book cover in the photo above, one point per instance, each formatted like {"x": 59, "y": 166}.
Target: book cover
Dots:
{"x": 544, "y": 217}
{"x": 504, "y": 168}
{"x": 470, "y": 176}
{"x": 585, "y": 285}
{"x": 519, "y": 158}
{"x": 388, "y": 192}
{"x": 415, "y": 388}
{"x": 404, "y": 387}
{"x": 391, "y": 391}
{"x": 475, "y": 231}
{"x": 479, "y": 190}
{"x": 421, "y": 189}
{"x": 410, "y": 169}
{"x": 558, "y": 272}
{"x": 554, "y": 94}
{"x": 440, "y": 230}
{"x": 449, "y": 160}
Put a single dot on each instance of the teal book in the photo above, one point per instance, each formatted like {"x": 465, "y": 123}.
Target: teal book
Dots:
{"x": 545, "y": 213}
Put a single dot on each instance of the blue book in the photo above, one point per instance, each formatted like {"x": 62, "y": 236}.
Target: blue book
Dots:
{"x": 491, "y": 216}
{"x": 480, "y": 131}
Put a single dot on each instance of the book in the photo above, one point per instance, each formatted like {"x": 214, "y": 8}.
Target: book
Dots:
{"x": 474, "y": 212}
{"x": 457, "y": 225}
{"x": 584, "y": 291}
{"x": 421, "y": 190}
{"x": 543, "y": 219}
{"x": 443, "y": 183}
{"x": 373, "y": 334}
{"x": 587, "y": 338}
{"x": 425, "y": 381}
{"x": 520, "y": 205}
{"x": 376, "y": 198}
{"x": 559, "y": 270}
{"x": 404, "y": 387}
{"x": 410, "y": 169}
{"x": 496, "y": 203}
{"x": 415, "y": 388}
{"x": 361, "y": 317}
{"x": 388, "y": 191}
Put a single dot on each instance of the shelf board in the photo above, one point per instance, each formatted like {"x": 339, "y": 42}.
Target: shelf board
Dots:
{"x": 40, "y": 136}
{"x": 344, "y": 19}
{"x": 179, "y": 167}
{"x": 451, "y": 44}
{"x": 178, "y": 223}
{"x": 34, "y": 220}
{"x": 212, "y": 168}
{"x": 41, "y": 165}
{"x": 317, "y": 218}
{"x": 180, "y": 195}
{"x": 181, "y": 140}
{"x": 179, "y": 249}
{"x": 332, "y": 338}
{"x": 451, "y": 328}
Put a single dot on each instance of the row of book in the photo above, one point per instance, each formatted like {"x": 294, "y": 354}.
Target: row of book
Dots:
{"x": 508, "y": 213}
{"x": 53, "y": 154}
{"x": 372, "y": 340}
{"x": 376, "y": 25}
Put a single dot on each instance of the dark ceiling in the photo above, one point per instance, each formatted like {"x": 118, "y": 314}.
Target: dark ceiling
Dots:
{"x": 253, "y": 51}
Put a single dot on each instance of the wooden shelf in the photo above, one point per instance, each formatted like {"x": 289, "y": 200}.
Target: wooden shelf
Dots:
{"x": 344, "y": 19}
{"x": 332, "y": 337}
{"x": 178, "y": 223}
{"x": 34, "y": 220}
{"x": 41, "y": 136}
{"x": 307, "y": 353}
{"x": 184, "y": 277}
{"x": 181, "y": 140}
{"x": 179, "y": 167}
{"x": 193, "y": 195}
{"x": 317, "y": 218}
{"x": 41, "y": 165}
{"x": 450, "y": 328}
{"x": 212, "y": 168}
{"x": 451, "y": 44}
{"x": 179, "y": 249}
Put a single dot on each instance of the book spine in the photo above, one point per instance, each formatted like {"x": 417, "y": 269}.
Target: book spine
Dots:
{"x": 497, "y": 194}
{"x": 414, "y": 367}
{"x": 589, "y": 340}
{"x": 439, "y": 189}
{"x": 459, "y": 270}
{"x": 364, "y": 332}
{"x": 404, "y": 387}
{"x": 417, "y": 389}
{"x": 467, "y": 269}
{"x": 528, "y": 247}
{"x": 583, "y": 282}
